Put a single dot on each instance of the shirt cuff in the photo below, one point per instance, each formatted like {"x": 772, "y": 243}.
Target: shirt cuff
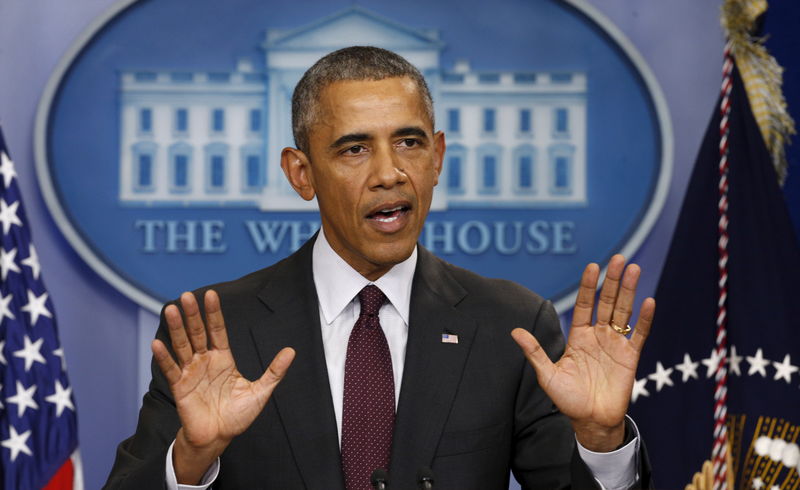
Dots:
{"x": 205, "y": 482}
{"x": 616, "y": 470}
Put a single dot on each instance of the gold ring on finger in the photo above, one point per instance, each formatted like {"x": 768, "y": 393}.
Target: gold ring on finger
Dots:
{"x": 621, "y": 330}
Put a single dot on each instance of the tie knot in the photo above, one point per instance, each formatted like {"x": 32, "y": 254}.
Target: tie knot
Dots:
{"x": 371, "y": 298}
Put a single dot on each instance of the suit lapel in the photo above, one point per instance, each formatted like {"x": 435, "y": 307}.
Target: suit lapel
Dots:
{"x": 431, "y": 374}
{"x": 432, "y": 369}
{"x": 303, "y": 398}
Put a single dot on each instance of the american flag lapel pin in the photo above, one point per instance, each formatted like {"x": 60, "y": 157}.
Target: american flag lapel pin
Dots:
{"x": 449, "y": 338}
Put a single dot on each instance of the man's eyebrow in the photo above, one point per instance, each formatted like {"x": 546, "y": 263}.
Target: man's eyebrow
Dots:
{"x": 411, "y": 131}
{"x": 349, "y": 138}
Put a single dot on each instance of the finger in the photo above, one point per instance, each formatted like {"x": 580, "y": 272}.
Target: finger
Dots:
{"x": 537, "y": 357}
{"x": 627, "y": 292}
{"x": 276, "y": 371}
{"x": 215, "y": 321}
{"x": 177, "y": 334}
{"x": 584, "y": 303}
{"x": 165, "y": 362}
{"x": 642, "y": 330}
{"x": 608, "y": 294}
{"x": 194, "y": 323}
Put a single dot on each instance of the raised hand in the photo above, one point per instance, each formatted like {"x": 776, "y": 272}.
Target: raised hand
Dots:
{"x": 592, "y": 382}
{"x": 214, "y": 401}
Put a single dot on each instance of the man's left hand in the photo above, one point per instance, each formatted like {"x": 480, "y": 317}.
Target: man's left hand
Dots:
{"x": 592, "y": 382}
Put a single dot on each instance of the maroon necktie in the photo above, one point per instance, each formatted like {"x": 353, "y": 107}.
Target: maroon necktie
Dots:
{"x": 368, "y": 413}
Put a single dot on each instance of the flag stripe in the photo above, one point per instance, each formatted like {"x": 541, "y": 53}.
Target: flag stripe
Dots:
{"x": 63, "y": 478}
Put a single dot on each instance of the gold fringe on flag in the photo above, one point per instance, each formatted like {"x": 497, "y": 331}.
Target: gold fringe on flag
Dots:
{"x": 704, "y": 479}
{"x": 762, "y": 76}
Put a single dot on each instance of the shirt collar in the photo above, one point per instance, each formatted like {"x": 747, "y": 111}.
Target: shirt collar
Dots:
{"x": 337, "y": 283}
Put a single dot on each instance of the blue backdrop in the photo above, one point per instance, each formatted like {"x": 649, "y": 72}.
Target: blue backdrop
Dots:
{"x": 680, "y": 40}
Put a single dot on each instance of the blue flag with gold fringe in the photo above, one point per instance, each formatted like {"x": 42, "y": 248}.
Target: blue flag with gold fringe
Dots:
{"x": 673, "y": 397}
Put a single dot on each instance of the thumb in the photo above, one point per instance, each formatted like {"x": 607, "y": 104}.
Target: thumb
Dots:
{"x": 536, "y": 356}
{"x": 275, "y": 372}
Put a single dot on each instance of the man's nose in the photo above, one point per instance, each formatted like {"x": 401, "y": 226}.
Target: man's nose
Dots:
{"x": 387, "y": 170}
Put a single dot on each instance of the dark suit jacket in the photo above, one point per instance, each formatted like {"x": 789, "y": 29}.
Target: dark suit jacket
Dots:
{"x": 471, "y": 411}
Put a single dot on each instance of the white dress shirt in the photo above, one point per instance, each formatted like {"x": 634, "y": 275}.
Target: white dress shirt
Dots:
{"x": 338, "y": 286}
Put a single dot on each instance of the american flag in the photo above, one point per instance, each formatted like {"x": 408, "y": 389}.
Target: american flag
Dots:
{"x": 38, "y": 424}
{"x": 449, "y": 338}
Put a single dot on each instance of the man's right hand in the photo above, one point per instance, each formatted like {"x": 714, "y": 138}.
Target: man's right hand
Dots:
{"x": 215, "y": 402}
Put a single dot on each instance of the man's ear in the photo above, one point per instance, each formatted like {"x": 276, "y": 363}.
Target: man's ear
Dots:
{"x": 439, "y": 147}
{"x": 297, "y": 168}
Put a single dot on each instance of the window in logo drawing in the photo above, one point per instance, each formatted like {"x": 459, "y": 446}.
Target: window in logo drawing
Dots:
{"x": 145, "y": 121}
{"x": 219, "y": 77}
{"x": 525, "y": 128}
{"x": 216, "y": 167}
{"x": 489, "y": 164}
{"x": 181, "y": 122}
{"x": 454, "y": 166}
{"x": 561, "y": 157}
{"x": 525, "y": 176}
{"x": 561, "y": 123}
{"x": 254, "y": 123}
{"x": 217, "y": 121}
{"x": 180, "y": 168}
{"x": 453, "y": 122}
{"x": 253, "y": 171}
{"x": 490, "y": 121}
{"x": 144, "y": 162}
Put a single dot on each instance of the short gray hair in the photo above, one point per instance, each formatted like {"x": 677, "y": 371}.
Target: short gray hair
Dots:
{"x": 353, "y": 63}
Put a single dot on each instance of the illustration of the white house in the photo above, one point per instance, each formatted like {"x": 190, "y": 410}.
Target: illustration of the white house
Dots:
{"x": 189, "y": 138}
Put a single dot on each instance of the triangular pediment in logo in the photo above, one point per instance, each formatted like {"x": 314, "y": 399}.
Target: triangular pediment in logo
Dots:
{"x": 352, "y": 26}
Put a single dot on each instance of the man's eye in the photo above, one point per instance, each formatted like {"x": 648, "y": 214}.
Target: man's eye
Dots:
{"x": 410, "y": 142}
{"x": 355, "y": 150}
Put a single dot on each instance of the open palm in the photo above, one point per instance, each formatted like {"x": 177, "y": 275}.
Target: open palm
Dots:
{"x": 591, "y": 383}
{"x": 214, "y": 401}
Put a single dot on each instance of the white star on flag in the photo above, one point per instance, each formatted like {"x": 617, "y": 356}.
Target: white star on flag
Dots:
{"x": 735, "y": 359}
{"x": 712, "y": 363}
{"x": 757, "y": 364}
{"x": 8, "y": 215}
{"x": 36, "y": 307}
{"x": 30, "y": 352}
{"x": 7, "y": 263}
{"x": 61, "y": 398}
{"x": 6, "y": 169}
{"x": 23, "y": 399}
{"x": 687, "y": 368}
{"x": 33, "y": 262}
{"x": 639, "y": 389}
{"x": 4, "y": 309}
{"x": 17, "y": 443}
{"x": 784, "y": 369}
{"x": 758, "y": 483}
{"x": 661, "y": 376}
{"x": 3, "y": 353}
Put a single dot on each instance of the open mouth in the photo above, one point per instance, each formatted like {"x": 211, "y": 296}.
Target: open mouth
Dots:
{"x": 389, "y": 214}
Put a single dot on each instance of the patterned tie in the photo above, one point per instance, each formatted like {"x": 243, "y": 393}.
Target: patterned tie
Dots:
{"x": 368, "y": 419}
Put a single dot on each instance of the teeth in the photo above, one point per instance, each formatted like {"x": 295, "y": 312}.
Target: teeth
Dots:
{"x": 386, "y": 220}
{"x": 391, "y": 210}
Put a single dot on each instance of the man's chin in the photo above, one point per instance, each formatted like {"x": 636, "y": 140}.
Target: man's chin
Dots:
{"x": 391, "y": 254}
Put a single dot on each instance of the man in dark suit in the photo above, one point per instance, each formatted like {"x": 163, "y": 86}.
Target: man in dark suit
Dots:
{"x": 468, "y": 405}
